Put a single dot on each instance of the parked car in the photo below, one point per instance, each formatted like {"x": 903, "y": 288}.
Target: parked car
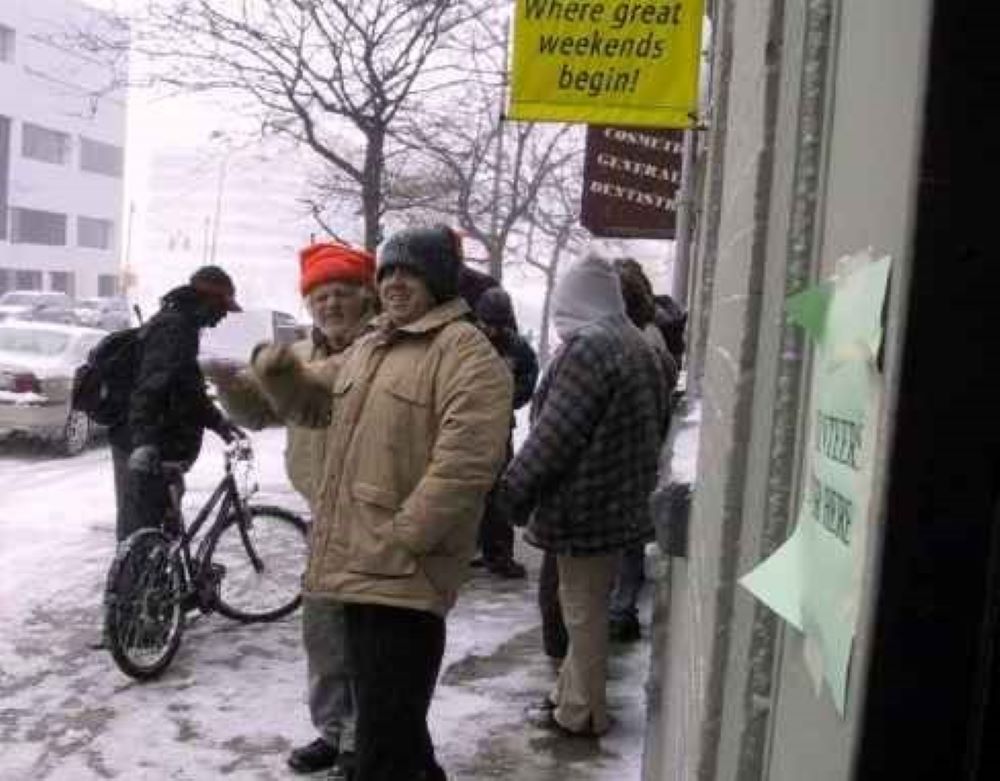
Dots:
{"x": 52, "y": 313}
{"x": 22, "y": 304}
{"x": 111, "y": 314}
{"x": 37, "y": 364}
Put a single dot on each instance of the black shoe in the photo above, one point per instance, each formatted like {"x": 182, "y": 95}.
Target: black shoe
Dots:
{"x": 507, "y": 568}
{"x": 318, "y": 755}
{"x": 478, "y": 563}
{"x": 190, "y": 603}
{"x": 343, "y": 769}
{"x": 625, "y": 630}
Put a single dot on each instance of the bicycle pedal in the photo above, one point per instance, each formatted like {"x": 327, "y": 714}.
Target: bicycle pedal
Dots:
{"x": 211, "y": 581}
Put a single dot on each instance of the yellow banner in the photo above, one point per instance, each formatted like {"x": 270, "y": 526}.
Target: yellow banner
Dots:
{"x": 614, "y": 63}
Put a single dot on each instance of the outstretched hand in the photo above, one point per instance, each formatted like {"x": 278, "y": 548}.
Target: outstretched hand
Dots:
{"x": 272, "y": 359}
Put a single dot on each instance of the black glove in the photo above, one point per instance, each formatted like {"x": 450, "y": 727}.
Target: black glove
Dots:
{"x": 145, "y": 460}
{"x": 230, "y": 432}
{"x": 504, "y": 503}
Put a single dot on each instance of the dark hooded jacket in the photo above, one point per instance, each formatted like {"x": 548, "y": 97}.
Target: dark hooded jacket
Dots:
{"x": 494, "y": 309}
{"x": 472, "y": 284}
{"x": 672, "y": 322}
{"x": 169, "y": 407}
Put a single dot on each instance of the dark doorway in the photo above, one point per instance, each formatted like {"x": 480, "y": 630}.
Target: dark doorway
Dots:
{"x": 933, "y": 681}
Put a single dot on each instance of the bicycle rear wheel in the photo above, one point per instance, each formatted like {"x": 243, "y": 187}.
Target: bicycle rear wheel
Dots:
{"x": 143, "y": 617}
{"x": 262, "y": 582}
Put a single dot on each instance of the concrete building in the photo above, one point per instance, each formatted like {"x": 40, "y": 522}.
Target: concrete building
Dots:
{"x": 62, "y": 154}
{"x": 837, "y": 125}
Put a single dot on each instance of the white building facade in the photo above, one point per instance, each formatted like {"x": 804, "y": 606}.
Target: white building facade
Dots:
{"x": 62, "y": 151}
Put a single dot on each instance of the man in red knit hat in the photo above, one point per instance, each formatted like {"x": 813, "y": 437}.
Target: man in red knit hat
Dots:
{"x": 338, "y": 284}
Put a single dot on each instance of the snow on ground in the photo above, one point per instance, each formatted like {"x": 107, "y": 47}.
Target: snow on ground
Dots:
{"x": 232, "y": 704}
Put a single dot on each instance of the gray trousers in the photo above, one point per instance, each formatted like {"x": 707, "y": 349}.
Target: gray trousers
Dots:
{"x": 628, "y": 583}
{"x": 331, "y": 692}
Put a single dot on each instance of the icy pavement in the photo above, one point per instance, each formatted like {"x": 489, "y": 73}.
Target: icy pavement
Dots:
{"x": 232, "y": 704}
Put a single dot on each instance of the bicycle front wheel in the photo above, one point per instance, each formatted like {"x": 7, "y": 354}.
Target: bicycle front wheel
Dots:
{"x": 143, "y": 617}
{"x": 263, "y": 553}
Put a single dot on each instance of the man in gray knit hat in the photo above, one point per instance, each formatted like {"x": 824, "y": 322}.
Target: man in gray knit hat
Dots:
{"x": 415, "y": 423}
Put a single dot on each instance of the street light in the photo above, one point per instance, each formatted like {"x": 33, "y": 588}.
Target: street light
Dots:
{"x": 223, "y": 167}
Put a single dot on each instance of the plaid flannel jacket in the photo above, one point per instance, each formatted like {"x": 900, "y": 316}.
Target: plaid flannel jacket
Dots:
{"x": 589, "y": 464}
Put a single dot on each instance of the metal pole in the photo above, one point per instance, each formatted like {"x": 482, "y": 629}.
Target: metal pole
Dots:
{"x": 204, "y": 240}
{"x": 685, "y": 213}
{"x": 496, "y": 252}
{"x": 218, "y": 204}
{"x": 126, "y": 262}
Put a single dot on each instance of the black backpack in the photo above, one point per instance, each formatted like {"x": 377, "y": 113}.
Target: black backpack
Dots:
{"x": 103, "y": 384}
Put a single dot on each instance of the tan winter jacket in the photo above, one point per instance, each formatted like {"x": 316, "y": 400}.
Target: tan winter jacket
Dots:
{"x": 418, "y": 425}
{"x": 248, "y": 406}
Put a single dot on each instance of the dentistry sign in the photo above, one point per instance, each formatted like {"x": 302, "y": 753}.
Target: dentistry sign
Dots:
{"x": 616, "y": 62}
{"x": 631, "y": 177}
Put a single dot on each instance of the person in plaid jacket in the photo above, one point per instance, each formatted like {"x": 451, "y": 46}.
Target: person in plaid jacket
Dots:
{"x": 586, "y": 471}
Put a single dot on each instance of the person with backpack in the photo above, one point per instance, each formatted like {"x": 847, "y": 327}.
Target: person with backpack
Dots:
{"x": 166, "y": 407}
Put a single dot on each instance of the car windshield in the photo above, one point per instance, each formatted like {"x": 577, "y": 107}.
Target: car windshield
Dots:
{"x": 32, "y": 341}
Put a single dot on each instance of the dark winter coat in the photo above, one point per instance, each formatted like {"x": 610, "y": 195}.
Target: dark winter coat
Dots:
{"x": 523, "y": 363}
{"x": 169, "y": 407}
{"x": 418, "y": 421}
{"x": 472, "y": 284}
{"x": 672, "y": 322}
{"x": 495, "y": 311}
{"x": 589, "y": 464}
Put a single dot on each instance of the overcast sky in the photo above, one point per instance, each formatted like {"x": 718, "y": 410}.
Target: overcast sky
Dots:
{"x": 160, "y": 122}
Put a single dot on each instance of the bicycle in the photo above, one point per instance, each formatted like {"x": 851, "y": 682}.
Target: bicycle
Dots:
{"x": 248, "y": 552}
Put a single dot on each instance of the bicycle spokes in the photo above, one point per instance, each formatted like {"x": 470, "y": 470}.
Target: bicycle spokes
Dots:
{"x": 144, "y": 617}
{"x": 246, "y": 528}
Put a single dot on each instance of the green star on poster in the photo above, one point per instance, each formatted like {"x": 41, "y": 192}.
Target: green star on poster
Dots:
{"x": 813, "y": 581}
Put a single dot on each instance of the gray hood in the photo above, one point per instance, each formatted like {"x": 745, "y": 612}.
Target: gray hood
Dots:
{"x": 588, "y": 292}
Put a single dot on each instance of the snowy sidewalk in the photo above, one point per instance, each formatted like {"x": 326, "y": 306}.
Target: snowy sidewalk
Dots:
{"x": 232, "y": 704}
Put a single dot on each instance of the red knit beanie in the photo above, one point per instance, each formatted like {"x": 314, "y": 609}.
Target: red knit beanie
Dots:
{"x": 334, "y": 262}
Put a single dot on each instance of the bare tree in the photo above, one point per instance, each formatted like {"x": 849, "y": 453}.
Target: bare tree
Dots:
{"x": 336, "y": 75}
{"x": 554, "y": 230}
{"x": 466, "y": 162}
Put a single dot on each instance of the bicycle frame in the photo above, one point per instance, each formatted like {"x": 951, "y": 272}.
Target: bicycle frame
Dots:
{"x": 224, "y": 500}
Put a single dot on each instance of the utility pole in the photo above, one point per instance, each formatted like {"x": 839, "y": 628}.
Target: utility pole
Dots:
{"x": 496, "y": 252}
{"x": 126, "y": 262}
{"x": 204, "y": 241}
{"x": 218, "y": 205}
